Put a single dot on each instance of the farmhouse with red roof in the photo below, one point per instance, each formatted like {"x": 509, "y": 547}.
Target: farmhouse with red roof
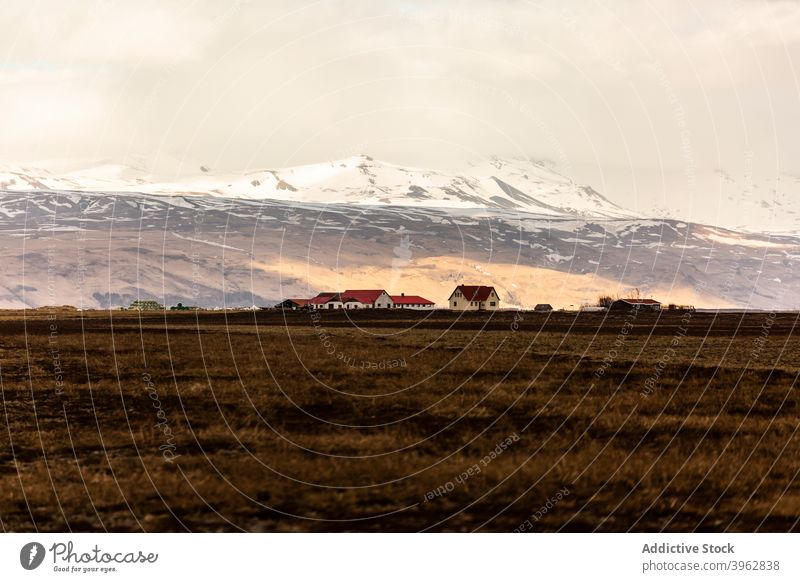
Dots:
{"x": 361, "y": 299}
{"x": 326, "y": 300}
{"x": 366, "y": 299}
{"x": 352, "y": 299}
{"x": 404, "y": 301}
{"x": 474, "y": 298}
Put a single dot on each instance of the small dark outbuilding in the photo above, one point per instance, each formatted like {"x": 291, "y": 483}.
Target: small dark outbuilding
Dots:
{"x": 635, "y": 304}
{"x": 543, "y": 307}
{"x": 292, "y": 304}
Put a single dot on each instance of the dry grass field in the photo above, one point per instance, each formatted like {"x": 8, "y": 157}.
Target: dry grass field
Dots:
{"x": 388, "y": 421}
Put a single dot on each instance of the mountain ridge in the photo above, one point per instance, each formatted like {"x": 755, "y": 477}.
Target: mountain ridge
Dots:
{"x": 360, "y": 180}
{"x": 105, "y": 250}
{"x": 103, "y": 238}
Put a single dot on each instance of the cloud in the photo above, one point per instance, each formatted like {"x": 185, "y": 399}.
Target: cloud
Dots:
{"x": 142, "y": 33}
{"x": 627, "y": 85}
{"x": 45, "y": 107}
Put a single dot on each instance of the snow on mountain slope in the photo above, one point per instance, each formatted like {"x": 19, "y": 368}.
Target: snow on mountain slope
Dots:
{"x": 758, "y": 201}
{"x": 110, "y": 234}
{"x": 95, "y": 179}
{"x": 105, "y": 250}
{"x": 515, "y": 185}
{"x": 738, "y": 199}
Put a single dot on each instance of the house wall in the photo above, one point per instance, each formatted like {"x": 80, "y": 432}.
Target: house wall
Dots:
{"x": 324, "y": 306}
{"x": 412, "y": 306}
{"x": 461, "y": 303}
{"x": 383, "y": 301}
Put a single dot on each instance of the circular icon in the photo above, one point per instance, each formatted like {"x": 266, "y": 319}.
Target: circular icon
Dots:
{"x": 31, "y": 555}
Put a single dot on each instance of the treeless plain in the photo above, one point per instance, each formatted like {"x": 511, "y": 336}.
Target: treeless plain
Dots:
{"x": 398, "y": 421}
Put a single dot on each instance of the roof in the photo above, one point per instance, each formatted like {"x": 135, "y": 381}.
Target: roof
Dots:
{"x": 362, "y": 295}
{"x": 324, "y": 297}
{"x": 475, "y": 292}
{"x": 410, "y": 300}
{"x": 641, "y": 301}
{"x": 300, "y": 302}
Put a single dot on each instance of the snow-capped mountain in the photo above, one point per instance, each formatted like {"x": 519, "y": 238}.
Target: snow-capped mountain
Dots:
{"x": 96, "y": 178}
{"x": 738, "y": 199}
{"x": 105, "y": 250}
{"x": 516, "y": 185}
{"x": 733, "y": 199}
{"x": 773, "y": 204}
{"x": 104, "y": 237}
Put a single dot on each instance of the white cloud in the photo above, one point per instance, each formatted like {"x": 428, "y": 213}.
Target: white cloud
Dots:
{"x": 39, "y": 109}
{"x": 140, "y": 33}
{"x": 263, "y": 83}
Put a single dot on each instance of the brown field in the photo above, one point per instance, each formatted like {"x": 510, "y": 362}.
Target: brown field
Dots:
{"x": 388, "y": 421}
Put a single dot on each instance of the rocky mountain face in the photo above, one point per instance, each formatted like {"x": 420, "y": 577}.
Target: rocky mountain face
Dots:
{"x": 107, "y": 248}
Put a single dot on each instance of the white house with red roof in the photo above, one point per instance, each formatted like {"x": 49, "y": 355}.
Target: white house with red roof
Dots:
{"x": 326, "y": 300}
{"x": 352, "y": 299}
{"x": 366, "y": 299}
{"x": 404, "y": 301}
{"x": 474, "y": 298}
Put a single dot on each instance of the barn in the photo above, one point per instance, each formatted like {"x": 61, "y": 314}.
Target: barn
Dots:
{"x": 404, "y": 301}
{"x": 635, "y": 304}
{"x": 326, "y": 300}
{"x": 474, "y": 298}
{"x": 352, "y": 299}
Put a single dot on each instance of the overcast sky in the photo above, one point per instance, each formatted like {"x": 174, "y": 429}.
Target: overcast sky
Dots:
{"x": 607, "y": 90}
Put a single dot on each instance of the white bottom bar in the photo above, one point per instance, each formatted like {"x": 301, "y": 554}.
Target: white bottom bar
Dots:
{"x": 403, "y": 557}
